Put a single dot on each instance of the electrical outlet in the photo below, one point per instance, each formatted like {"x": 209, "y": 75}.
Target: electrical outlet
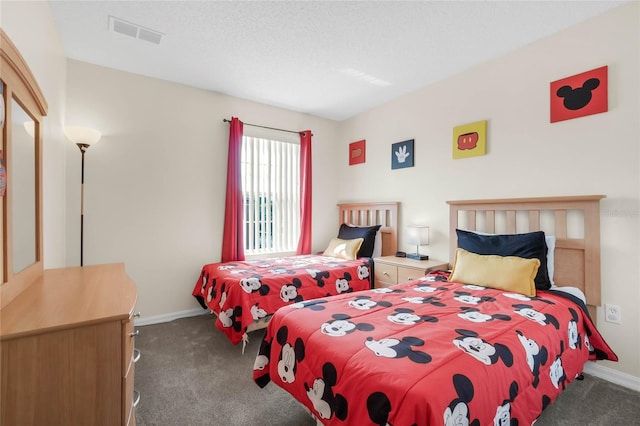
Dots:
{"x": 613, "y": 313}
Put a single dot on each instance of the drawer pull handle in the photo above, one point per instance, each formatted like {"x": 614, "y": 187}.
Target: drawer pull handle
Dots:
{"x": 386, "y": 274}
{"x": 135, "y": 333}
{"x": 136, "y": 315}
{"x": 136, "y": 355}
{"x": 409, "y": 278}
{"x": 136, "y": 398}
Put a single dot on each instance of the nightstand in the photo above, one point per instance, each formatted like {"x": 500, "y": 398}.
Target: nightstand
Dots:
{"x": 390, "y": 270}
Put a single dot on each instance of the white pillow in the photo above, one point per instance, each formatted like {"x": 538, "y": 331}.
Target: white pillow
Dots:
{"x": 550, "y": 240}
{"x": 575, "y": 291}
{"x": 377, "y": 245}
{"x": 551, "y": 249}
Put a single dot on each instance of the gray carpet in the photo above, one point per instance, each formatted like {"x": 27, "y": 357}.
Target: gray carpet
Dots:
{"x": 189, "y": 374}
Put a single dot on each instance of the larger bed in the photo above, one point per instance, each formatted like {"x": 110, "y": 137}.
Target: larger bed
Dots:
{"x": 441, "y": 351}
{"x": 244, "y": 295}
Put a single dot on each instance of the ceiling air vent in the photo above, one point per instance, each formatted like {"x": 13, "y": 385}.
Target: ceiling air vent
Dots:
{"x": 130, "y": 29}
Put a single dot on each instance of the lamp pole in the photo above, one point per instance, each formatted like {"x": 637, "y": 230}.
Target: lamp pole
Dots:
{"x": 83, "y": 137}
{"x": 83, "y": 148}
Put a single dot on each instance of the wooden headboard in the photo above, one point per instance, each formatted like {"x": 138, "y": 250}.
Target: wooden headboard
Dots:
{"x": 577, "y": 259}
{"x": 370, "y": 214}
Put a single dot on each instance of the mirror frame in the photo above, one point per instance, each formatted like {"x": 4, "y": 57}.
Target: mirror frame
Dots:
{"x": 21, "y": 85}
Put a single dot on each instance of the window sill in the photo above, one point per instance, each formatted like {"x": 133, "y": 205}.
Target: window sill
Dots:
{"x": 271, "y": 255}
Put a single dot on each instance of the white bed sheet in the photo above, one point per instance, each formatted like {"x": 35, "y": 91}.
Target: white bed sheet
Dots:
{"x": 574, "y": 291}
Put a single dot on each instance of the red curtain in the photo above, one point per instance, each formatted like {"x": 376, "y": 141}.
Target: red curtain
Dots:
{"x": 232, "y": 237}
{"x": 304, "y": 243}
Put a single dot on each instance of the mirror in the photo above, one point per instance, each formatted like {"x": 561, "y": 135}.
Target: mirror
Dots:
{"x": 21, "y": 214}
{"x": 22, "y": 178}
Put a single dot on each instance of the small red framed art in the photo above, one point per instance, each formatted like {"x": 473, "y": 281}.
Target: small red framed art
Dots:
{"x": 579, "y": 95}
{"x": 357, "y": 152}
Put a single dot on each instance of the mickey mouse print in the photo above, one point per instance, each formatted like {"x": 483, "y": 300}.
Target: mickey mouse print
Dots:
{"x": 470, "y": 140}
{"x": 458, "y": 355}
{"x": 579, "y": 95}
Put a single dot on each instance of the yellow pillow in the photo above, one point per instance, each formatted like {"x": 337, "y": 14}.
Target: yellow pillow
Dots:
{"x": 509, "y": 273}
{"x": 346, "y": 249}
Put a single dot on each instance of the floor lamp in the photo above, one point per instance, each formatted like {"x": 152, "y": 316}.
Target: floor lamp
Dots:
{"x": 83, "y": 138}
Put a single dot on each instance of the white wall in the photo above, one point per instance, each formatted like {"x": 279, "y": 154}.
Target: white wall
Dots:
{"x": 527, "y": 156}
{"x": 155, "y": 183}
{"x": 40, "y": 45}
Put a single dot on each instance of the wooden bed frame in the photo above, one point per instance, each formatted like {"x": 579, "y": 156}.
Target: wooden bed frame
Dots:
{"x": 371, "y": 214}
{"x": 573, "y": 220}
{"x": 577, "y": 260}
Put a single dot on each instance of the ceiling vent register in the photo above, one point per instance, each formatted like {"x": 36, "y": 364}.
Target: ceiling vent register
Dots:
{"x": 130, "y": 29}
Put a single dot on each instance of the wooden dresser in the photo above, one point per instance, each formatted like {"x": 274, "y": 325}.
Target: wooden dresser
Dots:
{"x": 67, "y": 349}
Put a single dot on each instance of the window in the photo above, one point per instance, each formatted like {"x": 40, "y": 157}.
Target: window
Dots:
{"x": 271, "y": 195}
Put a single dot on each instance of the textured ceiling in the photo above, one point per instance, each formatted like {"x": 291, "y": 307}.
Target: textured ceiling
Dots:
{"x": 333, "y": 59}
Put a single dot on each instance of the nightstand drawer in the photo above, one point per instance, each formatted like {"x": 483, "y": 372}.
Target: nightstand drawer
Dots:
{"x": 386, "y": 273}
{"x": 391, "y": 270}
{"x": 408, "y": 274}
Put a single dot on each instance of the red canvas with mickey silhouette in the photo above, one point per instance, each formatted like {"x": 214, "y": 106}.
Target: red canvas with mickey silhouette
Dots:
{"x": 240, "y": 293}
{"x": 579, "y": 95}
{"x": 429, "y": 352}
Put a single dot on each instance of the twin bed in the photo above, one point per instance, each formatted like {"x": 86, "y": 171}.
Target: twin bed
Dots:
{"x": 244, "y": 295}
{"x": 445, "y": 349}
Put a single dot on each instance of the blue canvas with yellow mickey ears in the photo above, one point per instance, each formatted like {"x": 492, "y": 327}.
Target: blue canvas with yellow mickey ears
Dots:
{"x": 402, "y": 154}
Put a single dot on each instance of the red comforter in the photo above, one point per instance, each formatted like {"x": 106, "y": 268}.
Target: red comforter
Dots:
{"x": 429, "y": 352}
{"x": 243, "y": 292}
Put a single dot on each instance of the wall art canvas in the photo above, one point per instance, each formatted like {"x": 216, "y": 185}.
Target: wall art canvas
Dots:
{"x": 470, "y": 140}
{"x": 357, "y": 152}
{"x": 579, "y": 95}
{"x": 402, "y": 154}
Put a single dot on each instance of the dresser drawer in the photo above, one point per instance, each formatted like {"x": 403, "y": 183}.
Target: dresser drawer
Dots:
{"x": 386, "y": 273}
{"x": 128, "y": 396}
{"x": 132, "y": 419}
{"x": 408, "y": 274}
{"x": 128, "y": 342}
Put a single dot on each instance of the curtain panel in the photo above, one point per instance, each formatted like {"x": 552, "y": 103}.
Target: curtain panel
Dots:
{"x": 232, "y": 237}
{"x": 304, "y": 243}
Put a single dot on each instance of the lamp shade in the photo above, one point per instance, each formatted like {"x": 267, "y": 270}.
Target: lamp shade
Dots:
{"x": 82, "y": 135}
{"x": 418, "y": 235}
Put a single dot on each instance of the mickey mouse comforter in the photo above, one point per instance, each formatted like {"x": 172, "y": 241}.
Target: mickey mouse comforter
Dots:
{"x": 240, "y": 293}
{"x": 429, "y": 352}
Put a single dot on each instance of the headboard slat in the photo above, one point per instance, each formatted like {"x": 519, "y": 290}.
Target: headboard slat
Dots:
{"x": 471, "y": 220}
{"x": 561, "y": 223}
{"x": 511, "y": 222}
{"x": 534, "y": 220}
{"x": 490, "y": 217}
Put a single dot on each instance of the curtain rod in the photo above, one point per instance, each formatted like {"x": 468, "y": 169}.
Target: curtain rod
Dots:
{"x": 265, "y": 127}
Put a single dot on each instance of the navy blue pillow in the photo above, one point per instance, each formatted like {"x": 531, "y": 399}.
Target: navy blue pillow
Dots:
{"x": 530, "y": 245}
{"x": 368, "y": 233}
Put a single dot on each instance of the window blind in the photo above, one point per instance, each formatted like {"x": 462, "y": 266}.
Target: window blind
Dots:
{"x": 271, "y": 194}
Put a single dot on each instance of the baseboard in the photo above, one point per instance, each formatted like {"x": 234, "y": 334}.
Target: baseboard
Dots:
{"x": 157, "y": 319}
{"x": 613, "y": 376}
